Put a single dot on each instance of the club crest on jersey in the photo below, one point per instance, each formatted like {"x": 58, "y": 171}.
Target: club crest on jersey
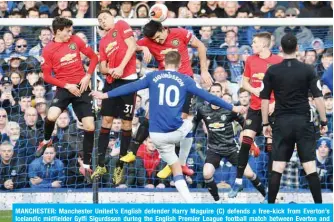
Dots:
{"x": 248, "y": 122}
{"x": 55, "y": 100}
{"x": 223, "y": 117}
{"x": 175, "y": 42}
{"x": 72, "y": 46}
{"x": 114, "y": 34}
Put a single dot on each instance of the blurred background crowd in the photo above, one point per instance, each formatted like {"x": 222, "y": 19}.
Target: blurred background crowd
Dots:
{"x": 24, "y": 97}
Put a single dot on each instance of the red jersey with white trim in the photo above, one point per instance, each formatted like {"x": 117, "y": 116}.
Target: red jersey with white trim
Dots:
{"x": 65, "y": 61}
{"x": 255, "y": 69}
{"x": 177, "y": 40}
{"x": 113, "y": 49}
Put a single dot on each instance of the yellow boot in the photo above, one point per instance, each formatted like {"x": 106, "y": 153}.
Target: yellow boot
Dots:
{"x": 165, "y": 172}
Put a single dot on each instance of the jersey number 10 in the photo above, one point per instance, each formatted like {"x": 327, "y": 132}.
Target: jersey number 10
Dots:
{"x": 165, "y": 95}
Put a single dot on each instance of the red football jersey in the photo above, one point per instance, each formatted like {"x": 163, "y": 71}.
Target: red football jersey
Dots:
{"x": 65, "y": 61}
{"x": 177, "y": 40}
{"x": 113, "y": 49}
{"x": 255, "y": 69}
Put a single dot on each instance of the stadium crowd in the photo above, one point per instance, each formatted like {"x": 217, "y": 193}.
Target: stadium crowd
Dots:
{"x": 24, "y": 97}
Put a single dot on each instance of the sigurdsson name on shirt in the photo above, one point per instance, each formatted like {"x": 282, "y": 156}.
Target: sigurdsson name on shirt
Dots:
{"x": 168, "y": 75}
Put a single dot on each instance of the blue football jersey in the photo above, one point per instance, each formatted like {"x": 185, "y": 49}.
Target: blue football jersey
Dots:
{"x": 168, "y": 91}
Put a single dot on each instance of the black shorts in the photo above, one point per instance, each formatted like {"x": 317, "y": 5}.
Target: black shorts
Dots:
{"x": 119, "y": 107}
{"x": 291, "y": 130}
{"x": 254, "y": 121}
{"x": 187, "y": 104}
{"x": 82, "y": 106}
{"x": 215, "y": 158}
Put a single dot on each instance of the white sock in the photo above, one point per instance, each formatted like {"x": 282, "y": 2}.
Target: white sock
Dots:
{"x": 238, "y": 181}
{"x": 185, "y": 147}
{"x": 183, "y": 189}
{"x": 86, "y": 166}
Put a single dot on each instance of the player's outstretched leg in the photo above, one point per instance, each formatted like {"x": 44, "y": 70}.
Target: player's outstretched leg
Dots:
{"x": 88, "y": 144}
{"x": 126, "y": 136}
{"x": 103, "y": 145}
{"x": 246, "y": 144}
{"x": 50, "y": 121}
{"x": 208, "y": 171}
{"x": 255, "y": 180}
{"x": 141, "y": 136}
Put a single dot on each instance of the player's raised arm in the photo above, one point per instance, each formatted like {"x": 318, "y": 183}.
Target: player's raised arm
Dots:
{"x": 122, "y": 90}
{"x": 192, "y": 88}
{"x": 196, "y": 43}
{"x": 147, "y": 56}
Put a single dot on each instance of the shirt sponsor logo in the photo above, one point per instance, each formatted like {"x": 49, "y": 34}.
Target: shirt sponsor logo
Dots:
{"x": 259, "y": 76}
{"x": 216, "y": 125}
{"x": 110, "y": 46}
{"x": 68, "y": 57}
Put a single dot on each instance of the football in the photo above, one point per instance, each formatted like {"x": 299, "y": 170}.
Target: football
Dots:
{"x": 158, "y": 12}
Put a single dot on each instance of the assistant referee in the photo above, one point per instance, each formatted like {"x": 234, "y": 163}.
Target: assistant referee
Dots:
{"x": 291, "y": 81}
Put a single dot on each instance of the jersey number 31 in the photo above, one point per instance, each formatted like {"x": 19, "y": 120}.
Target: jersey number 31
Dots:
{"x": 165, "y": 95}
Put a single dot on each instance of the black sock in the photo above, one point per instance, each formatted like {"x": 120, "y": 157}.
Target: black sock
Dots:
{"x": 274, "y": 184}
{"x": 259, "y": 186}
{"x": 212, "y": 187}
{"x": 243, "y": 155}
{"x": 88, "y": 143}
{"x": 103, "y": 145}
{"x": 48, "y": 128}
{"x": 126, "y": 137}
{"x": 315, "y": 186}
{"x": 177, "y": 149}
{"x": 141, "y": 136}
{"x": 270, "y": 164}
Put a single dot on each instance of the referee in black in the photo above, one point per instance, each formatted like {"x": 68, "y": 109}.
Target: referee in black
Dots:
{"x": 290, "y": 81}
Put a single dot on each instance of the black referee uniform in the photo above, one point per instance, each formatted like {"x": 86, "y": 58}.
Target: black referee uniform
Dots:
{"x": 291, "y": 81}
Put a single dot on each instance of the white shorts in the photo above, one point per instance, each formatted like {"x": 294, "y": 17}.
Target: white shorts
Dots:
{"x": 165, "y": 142}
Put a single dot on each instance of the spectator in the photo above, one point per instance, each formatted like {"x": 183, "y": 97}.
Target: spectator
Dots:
{"x": 303, "y": 34}
{"x": 314, "y": 9}
{"x": 30, "y": 129}
{"x": 126, "y": 10}
{"x": 15, "y": 14}
{"x": 245, "y": 51}
{"x": 280, "y": 11}
{"x": 47, "y": 171}
{"x": 14, "y": 62}
{"x": 142, "y": 10}
{"x": 33, "y": 13}
{"x": 184, "y": 12}
{"x": 44, "y": 11}
{"x": 66, "y": 13}
{"x": 24, "y": 7}
{"x": 328, "y": 97}
{"x": 4, "y": 9}
{"x": 12, "y": 172}
{"x": 2, "y": 48}
{"x": 82, "y": 9}
{"x": 32, "y": 77}
{"x": 242, "y": 12}
{"x": 38, "y": 90}
{"x": 211, "y": 7}
{"x": 44, "y": 37}
{"x": 41, "y": 107}
{"x": 194, "y": 8}
{"x": 16, "y": 77}
{"x": 147, "y": 165}
{"x": 61, "y": 5}
{"x": 7, "y": 100}
{"x": 206, "y": 36}
{"x": 311, "y": 57}
{"x": 290, "y": 176}
{"x": 8, "y": 37}
{"x": 325, "y": 162}
{"x": 23, "y": 150}
{"x": 231, "y": 39}
{"x": 135, "y": 125}
{"x": 21, "y": 46}
{"x": 230, "y": 9}
{"x": 220, "y": 76}
{"x": 268, "y": 9}
{"x": 16, "y": 31}
{"x": 319, "y": 46}
{"x": 3, "y": 122}
{"x": 116, "y": 125}
{"x": 234, "y": 65}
